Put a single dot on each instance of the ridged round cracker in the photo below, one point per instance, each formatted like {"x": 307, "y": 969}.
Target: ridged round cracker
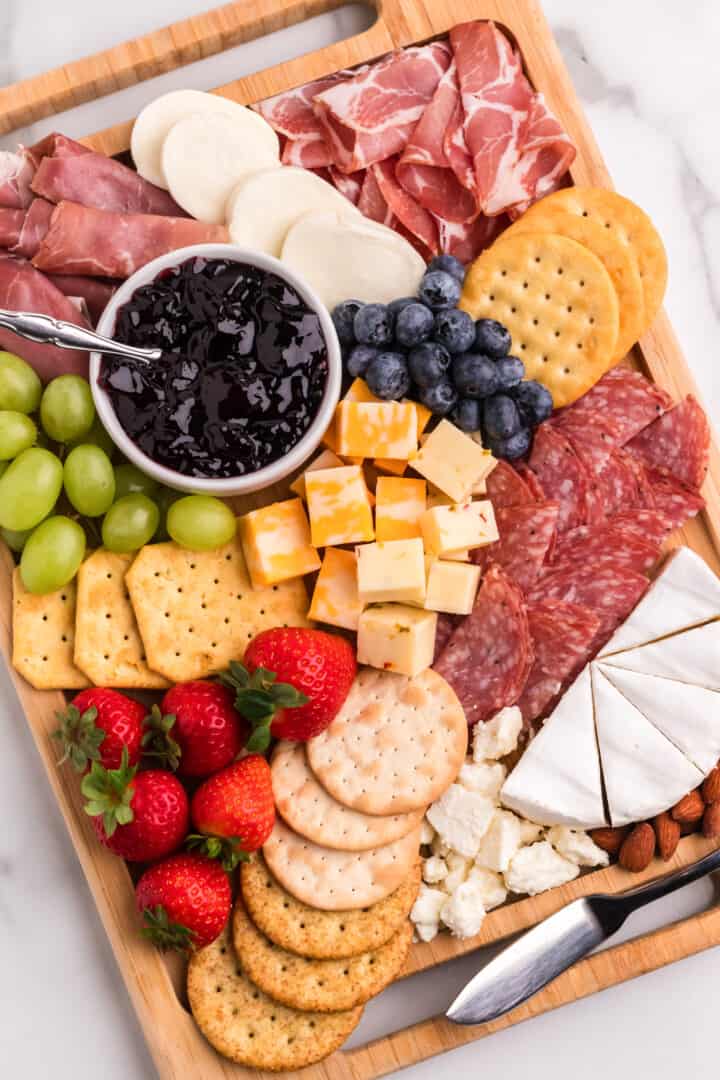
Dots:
{"x": 323, "y": 935}
{"x": 308, "y": 808}
{"x": 558, "y": 302}
{"x": 247, "y": 1026}
{"x": 338, "y": 880}
{"x": 618, "y": 259}
{"x": 396, "y": 744}
{"x": 317, "y": 985}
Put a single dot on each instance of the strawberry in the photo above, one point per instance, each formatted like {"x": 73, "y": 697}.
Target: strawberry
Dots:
{"x": 196, "y": 730}
{"x": 97, "y": 725}
{"x": 139, "y": 816}
{"x": 293, "y": 683}
{"x": 234, "y": 811}
{"x": 185, "y": 902}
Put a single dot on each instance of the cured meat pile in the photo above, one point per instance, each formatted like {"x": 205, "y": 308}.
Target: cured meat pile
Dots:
{"x": 441, "y": 141}
{"x": 581, "y": 526}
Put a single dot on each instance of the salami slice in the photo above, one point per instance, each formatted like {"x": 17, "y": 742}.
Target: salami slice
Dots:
{"x": 523, "y": 469}
{"x": 527, "y": 536}
{"x": 489, "y": 656}
{"x": 609, "y": 545}
{"x": 593, "y": 436}
{"x": 610, "y": 591}
{"x": 564, "y": 477}
{"x": 562, "y": 636}
{"x": 622, "y": 402}
{"x": 647, "y": 524}
{"x": 678, "y": 444}
{"x": 616, "y": 484}
{"x": 505, "y": 487}
{"x": 444, "y": 631}
{"x": 677, "y": 503}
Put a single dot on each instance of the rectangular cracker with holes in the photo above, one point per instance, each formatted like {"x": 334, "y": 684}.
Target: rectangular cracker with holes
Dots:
{"x": 108, "y": 646}
{"x": 197, "y": 611}
{"x": 43, "y": 637}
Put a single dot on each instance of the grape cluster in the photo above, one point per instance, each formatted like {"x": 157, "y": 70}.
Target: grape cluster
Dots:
{"x": 423, "y": 347}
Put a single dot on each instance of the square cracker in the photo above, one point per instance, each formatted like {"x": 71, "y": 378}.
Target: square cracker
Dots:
{"x": 197, "y": 611}
{"x": 108, "y": 646}
{"x": 43, "y": 637}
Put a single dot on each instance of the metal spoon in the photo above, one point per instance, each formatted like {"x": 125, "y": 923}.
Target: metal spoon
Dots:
{"x": 48, "y": 331}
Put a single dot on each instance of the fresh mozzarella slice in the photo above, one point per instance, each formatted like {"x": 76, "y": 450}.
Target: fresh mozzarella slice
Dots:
{"x": 687, "y": 715}
{"x": 692, "y": 656}
{"x": 265, "y": 205}
{"x": 557, "y": 780}
{"x": 205, "y": 156}
{"x": 342, "y": 258}
{"x": 686, "y": 593}
{"x": 644, "y": 772}
{"x": 155, "y": 121}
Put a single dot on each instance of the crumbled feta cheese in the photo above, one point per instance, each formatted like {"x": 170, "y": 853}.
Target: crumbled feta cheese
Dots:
{"x": 464, "y": 912}
{"x": 435, "y": 869}
{"x": 501, "y": 841}
{"x": 537, "y": 868}
{"x": 458, "y": 867}
{"x": 498, "y": 736}
{"x": 530, "y": 832}
{"x": 427, "y": 931}
{"x": 439, "y": 847}
{"x": 577, "y": 846}
{"x": 486, "y": 778}
{"x": 492, "y": 887}
{"x": 427, "y": 833}
{"x": 461, "y": 818}
{"x": 428, "y": 905}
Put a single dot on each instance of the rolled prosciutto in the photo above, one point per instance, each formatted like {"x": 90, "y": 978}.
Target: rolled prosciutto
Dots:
{"x": 100, "y": 243}
{"x": 56, "y": 145}
{"x": 11, "y": 223}
{"x": 35, "y": 225}
{"x": 16, "y": 173}
{"x": 95, "y": 180}
{"x": 94, "y": 291}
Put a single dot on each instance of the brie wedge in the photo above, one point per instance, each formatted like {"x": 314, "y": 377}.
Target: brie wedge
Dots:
{"x": 690, "y": 657}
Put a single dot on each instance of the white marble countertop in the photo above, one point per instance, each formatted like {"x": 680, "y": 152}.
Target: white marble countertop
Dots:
{"x": 647, "y": 72}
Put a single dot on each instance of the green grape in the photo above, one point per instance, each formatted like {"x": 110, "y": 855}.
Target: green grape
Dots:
{"x": 89, "y": 480}
{"x": 52, "y": 555}
{"x": 130, "y": 523}
{"x": 15, "y": 540}
{"x": 200, "y": 522}
{"x": 129, "y": 480}
{"x": 67, "y": 410}
{"x": 3, "y": 466}
{"x": 29, "y": 489}
{"x": 20, "y": 388}
{"x": 17, "y": 433}
{"x": 96, "y": 436}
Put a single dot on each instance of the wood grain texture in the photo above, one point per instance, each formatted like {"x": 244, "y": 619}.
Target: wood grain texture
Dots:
{"x": 177, "y": 1048}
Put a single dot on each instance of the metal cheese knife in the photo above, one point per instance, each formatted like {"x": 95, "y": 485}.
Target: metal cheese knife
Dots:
{"x": 543, "y": 953}
{"x": 48, "y": 331}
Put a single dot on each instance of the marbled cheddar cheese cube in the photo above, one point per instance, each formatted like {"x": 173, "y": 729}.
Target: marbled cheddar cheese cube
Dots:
{"x": 454, "y": 528}
{"x": 451, "y": 587}
{"x": 400, "y": 503}
{"x": 336, "y": 600}
{"x": 339, "y": 506}
{"x": 326, "y": 459}
{"x": 357, "y": 391}
{"x": 391, "y": 571}
{"x": 452, "y": 461}
{"x": 276, "y": 543}
{"x": 391, "y": 465}
{"x": 394, "y": 637}
{"x": 385, "y": 429}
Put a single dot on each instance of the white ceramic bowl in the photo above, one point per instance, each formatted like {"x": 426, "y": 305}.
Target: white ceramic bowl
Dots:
{"x": 233, "y": 485}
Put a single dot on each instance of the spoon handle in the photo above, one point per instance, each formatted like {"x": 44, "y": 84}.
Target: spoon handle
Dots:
{"x": 46, "y": 330}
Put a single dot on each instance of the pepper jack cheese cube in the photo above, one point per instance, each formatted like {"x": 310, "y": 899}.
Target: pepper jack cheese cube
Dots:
{"x": 377, "y": 429}
{"x": 357, "y": 391}
{"x": 463, "y": 525}
{"x": 339, "y": 506}
{"x": 325, "y": 460}
{"x": 394, "y": 637}
{"x": 452, "y": 461}
{"x": 336, "y": 600}
{"x": 400, "y": 503}
{"x": 391, "y": 571}
{"x": 452, "y": 587}
{"x": 276, "y": 543}
{"x": 397, "y": 468}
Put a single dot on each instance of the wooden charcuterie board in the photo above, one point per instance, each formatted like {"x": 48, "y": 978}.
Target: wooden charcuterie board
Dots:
{"x": 177, "y": 1047}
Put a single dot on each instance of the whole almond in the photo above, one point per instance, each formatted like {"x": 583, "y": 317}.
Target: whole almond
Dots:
{"x": 638, "y": 848}
{"x": 610, "y": 840}
{"x": 667, "y": 832}
{"x": 711, "y": 820}
{"x": 711, "y": 786}
{"x": 690, "y": 808}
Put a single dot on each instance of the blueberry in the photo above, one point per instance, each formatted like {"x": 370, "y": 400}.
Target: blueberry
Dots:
{"x": 450, "y": 265}
{"x": 373, "y": 325}
{"x": 501, "y": 418}
{"x": 439, "y": 398}
{"x": 475, "y": 375}
{"x": 343, "y": 317}
{"x": 396, "y": 306}
{"x": 492, "y": 338}
{"x": 387, "y": 376}
{"x": 466, "y": 414}
{"x": 413, "y": 325}
{"x": 455, "y": 330}
{"x": 510, "y": 449}
{"x": 428, "y": 363}
{"x": 358, "y": 359}
{"x": 534, "y": 401}
{"x": 510, "y": 372}
{"x": 439, "y": 290}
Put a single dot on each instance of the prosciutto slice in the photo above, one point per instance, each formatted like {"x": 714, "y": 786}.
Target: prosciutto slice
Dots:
{"x": 94, "y": 292}
{"x": 99, "y": 181}
{"x": 16, "y": 173}
{"x": 11, "y": 223}
{"x": 292, "y": 115}
{"x": 411, "y": 215}
{"x": 99, "y": 243}
{"x": 35, "y": 226}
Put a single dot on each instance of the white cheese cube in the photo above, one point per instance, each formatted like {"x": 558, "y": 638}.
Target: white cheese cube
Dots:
{"x": 435, "y": 497}
{"x": 452, "y": 587}
{"x": 492, "y": 886}
{"x": 427, "y": 833}
{"x": 537, "y": 868}
{"x": 392, "y": 571}
{"x": 577, "y": 846}
{"x": 486, "y": 778}
{"x": 463, "y": 555}
{"x": 458, "y": 869}
{"x": 461, "y": 818}
{"x": 459, "y": 526}
{"x": 499, "y": 736}
{"x": 529, "y": 832}
{"x": 427, "y": 931}
{"x": 452, "y": 461}
{"x": 434, "y": 870}
{"x": 394, "y": 637}
{"x": 428, "y": 905}
{"x": 501, "y": 842}
{"x": 464, "y": 912}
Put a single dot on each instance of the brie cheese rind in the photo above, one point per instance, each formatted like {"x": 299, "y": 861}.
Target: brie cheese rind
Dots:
{"x": 644, "y": 772}
{"x": 689, "y": 716}
{"x": 557, "y": 780}
{"x": 685, "y": 594}
{"x": 692, "y": 656}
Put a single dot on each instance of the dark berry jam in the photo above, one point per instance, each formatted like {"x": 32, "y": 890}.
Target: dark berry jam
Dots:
{"x": 243, "y": 371}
